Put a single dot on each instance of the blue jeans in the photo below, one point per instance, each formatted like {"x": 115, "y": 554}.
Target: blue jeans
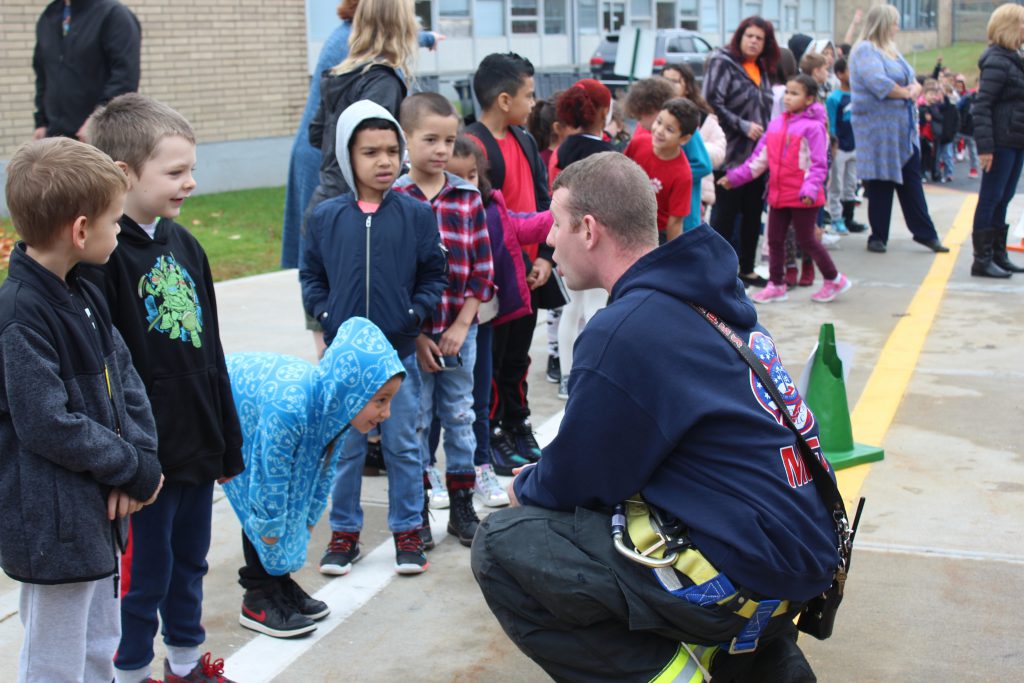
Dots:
{"x": 946, "y": 159}
{"x": 998, "y": 185}
{"x": 400, "y": 440}
{"x": 912, "y": 201}
{"x": 450, "y": 393}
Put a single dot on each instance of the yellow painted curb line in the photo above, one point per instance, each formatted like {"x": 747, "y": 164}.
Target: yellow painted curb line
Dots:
{"x": 878, "y": 403}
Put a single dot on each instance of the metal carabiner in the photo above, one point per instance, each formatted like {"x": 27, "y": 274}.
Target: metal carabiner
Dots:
{"x": 618, "y": 530}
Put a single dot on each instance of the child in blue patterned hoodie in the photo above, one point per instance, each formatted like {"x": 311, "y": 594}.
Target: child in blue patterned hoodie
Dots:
{"x": 293, "y": 414}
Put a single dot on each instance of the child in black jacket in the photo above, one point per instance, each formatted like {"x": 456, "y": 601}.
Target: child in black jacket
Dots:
{"x": 76, "y": 431}
{"x": 160, "y": 291}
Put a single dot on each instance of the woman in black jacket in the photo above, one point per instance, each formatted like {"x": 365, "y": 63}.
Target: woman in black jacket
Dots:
{"x": 999, "y": 133}
{"x": 737, "y": 87}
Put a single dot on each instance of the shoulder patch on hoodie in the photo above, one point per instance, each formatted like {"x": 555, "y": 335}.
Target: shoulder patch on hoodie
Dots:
{"x": 764, "y": 348}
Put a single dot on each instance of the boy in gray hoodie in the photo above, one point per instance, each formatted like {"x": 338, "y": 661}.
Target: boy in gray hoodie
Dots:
{"x": 76, "y": 431}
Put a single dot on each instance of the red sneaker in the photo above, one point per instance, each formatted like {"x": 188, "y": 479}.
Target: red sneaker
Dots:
{"x": 207, "y": 670}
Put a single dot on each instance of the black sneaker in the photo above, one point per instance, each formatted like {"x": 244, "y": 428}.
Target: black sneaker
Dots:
{"x": 504, "y": 456}
{"x": 342, "y": 552}
{"x": 268, "y": 612}
{"x": 554, "y": 373}
{"x": 302, "y": 601}
{"x": 525, "y": 443}
{"x": 409, "y": 555}
{"x": 374, "y": 464}
{"x": 426, "y": 535}
{"x": 462, "y": 519}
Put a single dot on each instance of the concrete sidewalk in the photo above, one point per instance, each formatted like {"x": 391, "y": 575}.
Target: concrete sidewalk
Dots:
{"x": 932, "y": 595}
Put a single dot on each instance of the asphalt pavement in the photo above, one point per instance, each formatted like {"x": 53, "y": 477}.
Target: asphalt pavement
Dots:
{"x": 937, "y": 379}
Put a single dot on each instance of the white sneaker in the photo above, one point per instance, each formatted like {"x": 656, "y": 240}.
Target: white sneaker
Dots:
{"x": 488, "y": 488}
{"x": 438, "y": 490}
{"x": 563, "y": 389}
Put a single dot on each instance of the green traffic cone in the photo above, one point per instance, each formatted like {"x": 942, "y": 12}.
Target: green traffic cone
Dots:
{"x": 826, "y": 396}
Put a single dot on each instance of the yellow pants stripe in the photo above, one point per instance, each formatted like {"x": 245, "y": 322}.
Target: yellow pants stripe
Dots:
{"x": 683, "y": 668}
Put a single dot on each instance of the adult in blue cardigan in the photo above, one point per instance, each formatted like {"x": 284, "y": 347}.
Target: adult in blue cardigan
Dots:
{"x": 304, "y": 166}
{"x": 884, "y": 118}
{"x": 999, "y": 133}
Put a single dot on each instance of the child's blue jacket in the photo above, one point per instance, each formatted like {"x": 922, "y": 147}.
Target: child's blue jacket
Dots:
{"x": 291, "y": 411}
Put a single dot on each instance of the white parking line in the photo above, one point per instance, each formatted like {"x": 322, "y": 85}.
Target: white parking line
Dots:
{"x": 263, "y": 657}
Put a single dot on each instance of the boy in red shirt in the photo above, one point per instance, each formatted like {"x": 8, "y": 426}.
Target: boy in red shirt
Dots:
{"x": 660, "y": 154}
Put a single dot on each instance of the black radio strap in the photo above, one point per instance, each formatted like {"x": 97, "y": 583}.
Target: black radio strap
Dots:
{"x": 827, "y": 489}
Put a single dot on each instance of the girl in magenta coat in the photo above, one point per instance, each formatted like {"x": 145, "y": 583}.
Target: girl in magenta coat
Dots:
{"x": 794, "y": 150}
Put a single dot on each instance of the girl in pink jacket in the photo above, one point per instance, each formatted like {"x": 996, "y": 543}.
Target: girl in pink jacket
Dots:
{"x": 794, "y": 151}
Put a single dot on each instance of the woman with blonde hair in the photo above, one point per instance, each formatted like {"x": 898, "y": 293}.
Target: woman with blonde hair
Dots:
{"x": 381, "y": 57}
{"x": 999, "y": 133}
{"x": 883, "y": 109}
{"x": 304, "y": 164}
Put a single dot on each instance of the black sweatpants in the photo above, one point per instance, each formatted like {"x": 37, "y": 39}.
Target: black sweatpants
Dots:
{"x": 583, "y": 612}
{"x": 746, "y": 203}
{"x": 253, "y": 576}
{"x": 510, "y": 351}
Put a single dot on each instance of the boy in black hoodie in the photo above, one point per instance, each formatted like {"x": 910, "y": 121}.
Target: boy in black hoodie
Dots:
{"x": 160, "y": 291}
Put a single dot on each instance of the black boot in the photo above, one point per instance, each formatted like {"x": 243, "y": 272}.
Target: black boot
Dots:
{"x": 999, "y": 256}
{"x": 426, "y": 535}
{"x": 983, "y": 265}
{"x": 462, "y": 519}
{"x": 851, "y": 224}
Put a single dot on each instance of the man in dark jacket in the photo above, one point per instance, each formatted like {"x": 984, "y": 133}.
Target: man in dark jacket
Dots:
{"x": 87, "y": 53}
{"x": 659, "y": 406}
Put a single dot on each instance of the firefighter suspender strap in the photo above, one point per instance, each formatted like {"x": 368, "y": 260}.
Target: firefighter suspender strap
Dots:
{"x": 819, "y": 615}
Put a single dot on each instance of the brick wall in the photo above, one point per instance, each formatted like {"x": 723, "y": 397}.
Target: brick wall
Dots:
{"x": 235, "y": 68}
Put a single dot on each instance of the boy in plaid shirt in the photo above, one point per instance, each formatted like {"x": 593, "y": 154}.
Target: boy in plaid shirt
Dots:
{"x": 446, "y": 349}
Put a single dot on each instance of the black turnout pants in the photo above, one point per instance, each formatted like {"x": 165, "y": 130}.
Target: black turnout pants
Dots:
{"x": 583, "y": 612}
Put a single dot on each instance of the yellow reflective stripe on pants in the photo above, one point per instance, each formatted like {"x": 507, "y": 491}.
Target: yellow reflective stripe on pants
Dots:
{"x": 683, "y": 668}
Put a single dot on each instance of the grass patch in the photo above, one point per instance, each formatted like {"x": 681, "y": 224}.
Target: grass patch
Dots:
{"x": 240, "y": 231}
{"x": 961, "y": 58}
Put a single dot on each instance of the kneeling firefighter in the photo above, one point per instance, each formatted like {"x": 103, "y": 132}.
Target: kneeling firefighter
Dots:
{"x": 684, "y": 515}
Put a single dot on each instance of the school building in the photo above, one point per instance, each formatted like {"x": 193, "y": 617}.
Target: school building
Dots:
{"x": 240, "y": 69}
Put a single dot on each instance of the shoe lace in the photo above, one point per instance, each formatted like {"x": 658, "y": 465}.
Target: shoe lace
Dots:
{"x": 504, "y": 445}
{"x": 408, "y": 542}
{"x": 489, "y": 483}
{"x": 462, "y": 511}
{"x": 342, "y": 542}
{"x": 525, "y": 432}
{"x": 212, "y": 668}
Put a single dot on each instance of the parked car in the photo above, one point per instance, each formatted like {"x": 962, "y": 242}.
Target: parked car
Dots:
{"x": 672, "y": 46}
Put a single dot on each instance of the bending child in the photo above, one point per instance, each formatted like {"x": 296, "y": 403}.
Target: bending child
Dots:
{"x": 293, "y": 415}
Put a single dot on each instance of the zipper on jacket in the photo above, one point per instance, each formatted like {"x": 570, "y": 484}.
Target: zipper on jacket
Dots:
{"x": 369, "y": 220}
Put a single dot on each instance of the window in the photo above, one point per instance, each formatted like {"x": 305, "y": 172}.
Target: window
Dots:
{"x": 423, "y": 14}
{"x": 613, "y": 16}
{"x": 453, "y": 18}
{"x": 490, "y": 18}
{"x": 524, "y": 16}
{"x": 689, "y": 14}
{"x": 915, "y": 14}
{"x": 665, "y": 15}
{"x": 640, "y": 8}
{"x": 554, "y": 17}
{"x": 680, "y": 44}
{"x": 790, "y": 15}
{"x": 587, "y": 16}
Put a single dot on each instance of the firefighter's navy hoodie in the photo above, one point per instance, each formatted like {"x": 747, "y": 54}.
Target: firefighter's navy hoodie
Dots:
{"x": 161, "y": 299}
{"x": 388, "y": 266}
{"x": 660, "y": 404}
